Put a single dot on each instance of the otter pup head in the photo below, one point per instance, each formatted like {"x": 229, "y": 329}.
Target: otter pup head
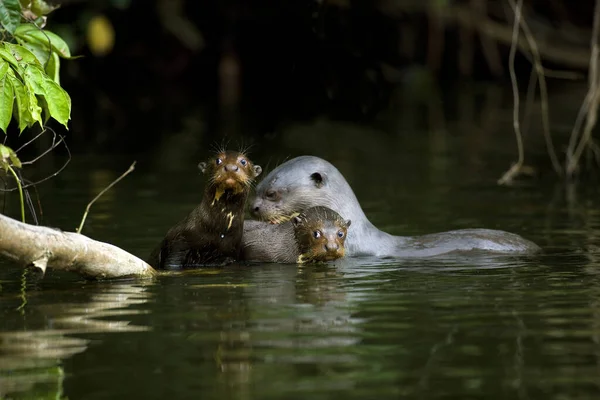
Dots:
{"x": 230, "y": 171}
{"x": 295, "y": 186}
{"x": 320, "y": 234}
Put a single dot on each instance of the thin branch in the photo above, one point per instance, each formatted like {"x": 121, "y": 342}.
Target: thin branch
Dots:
{"x": 87, "y": 209}
{"x": 593, "y": 94}
{"x": 47, "y": 177}
{"x": 531, "y": 88}
{"x": 537, "y": 62}
{"x": 516, "y": 167}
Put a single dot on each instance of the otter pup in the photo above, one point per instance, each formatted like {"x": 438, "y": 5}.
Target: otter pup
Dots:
{"x": 309, "y": 181}
{"x": 317, "y": 234}
{"x": 212, "y": 233}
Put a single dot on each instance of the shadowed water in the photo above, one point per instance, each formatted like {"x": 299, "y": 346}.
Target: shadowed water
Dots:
{"x": 455, "y": 326}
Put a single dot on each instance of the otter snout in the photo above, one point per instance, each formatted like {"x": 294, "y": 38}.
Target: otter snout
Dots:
{"x": 231, "y": 168}
{"x": 331, "y": 247}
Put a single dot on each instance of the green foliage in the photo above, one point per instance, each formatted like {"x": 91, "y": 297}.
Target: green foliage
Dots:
{"x": 10, "y": 14}
{"x": 30, "y": 90}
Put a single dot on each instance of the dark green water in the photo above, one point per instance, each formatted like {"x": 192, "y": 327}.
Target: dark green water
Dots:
{"x": 454, "y": 327}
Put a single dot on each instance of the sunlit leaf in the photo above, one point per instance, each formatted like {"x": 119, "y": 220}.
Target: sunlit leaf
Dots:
{"x": 21, "y": 54}
{"x": 6, "y": 55}
{"x": 57, "y": 99}
{"x": 100, "y": 35}
{"x": 7, "y": 154}
{"x": 32, "y": 34}
{"x": 59, "y": 102}
{"x": 3, "y": 68}
{"x": 7, "y": 97}
{"x": 40, "y": 7}
{"x": 41, "y": 51}
{"x": 23, "y": 114}
{"x": 10, "y": 14}
{"x": 53, "y": 67}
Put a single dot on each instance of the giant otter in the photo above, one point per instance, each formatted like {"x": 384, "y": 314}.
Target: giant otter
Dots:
{"x": 315, "y": 235}
{"x": 212, "y": 233}
{"x": 309, "y": 181}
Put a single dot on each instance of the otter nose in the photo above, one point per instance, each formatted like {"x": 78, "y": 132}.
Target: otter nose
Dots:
{"x": 231, "y": 168}
{"x": 331, "y": 246}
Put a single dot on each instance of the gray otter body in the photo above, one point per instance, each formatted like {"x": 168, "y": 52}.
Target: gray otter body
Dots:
{"x": 212, "y": 233}
{"x": 309, "y": 181}
{"x": 316, "y": 235}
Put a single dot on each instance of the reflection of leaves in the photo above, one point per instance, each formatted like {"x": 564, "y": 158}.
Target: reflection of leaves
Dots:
{"x": 10, "y": 14}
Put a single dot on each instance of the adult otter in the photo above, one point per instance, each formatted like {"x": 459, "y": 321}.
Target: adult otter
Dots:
{"x": 317, "y": 234}
{"x": 309, "y": 181}
{"x": 212, "y": 233}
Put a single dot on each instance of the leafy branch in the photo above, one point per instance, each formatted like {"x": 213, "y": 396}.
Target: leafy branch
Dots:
{"x": 30, "y": 56}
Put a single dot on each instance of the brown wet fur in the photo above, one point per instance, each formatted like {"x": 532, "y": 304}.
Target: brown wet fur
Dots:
{"x": 211, "y": 234}
{"x": 320, "y": 234}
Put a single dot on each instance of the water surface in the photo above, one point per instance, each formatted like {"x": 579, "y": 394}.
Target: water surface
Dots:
{"x": 448, "y": 327}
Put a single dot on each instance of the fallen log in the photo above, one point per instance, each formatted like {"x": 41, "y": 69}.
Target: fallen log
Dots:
{"x": 42, "y": 247}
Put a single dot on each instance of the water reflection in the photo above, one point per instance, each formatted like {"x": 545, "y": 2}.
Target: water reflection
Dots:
{"x": 33, "y": 356}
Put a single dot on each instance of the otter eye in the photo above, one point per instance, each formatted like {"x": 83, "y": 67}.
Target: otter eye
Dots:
{"x": 340, "y": 234}
{"x": 218, "y": 161}
{"x": 317, "y": 234}
{"x": 271, "y": 194}
{"x": 243, "y": 162}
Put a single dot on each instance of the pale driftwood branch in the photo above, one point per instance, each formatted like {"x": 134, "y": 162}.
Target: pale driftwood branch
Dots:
{"x": 46, "y": 247}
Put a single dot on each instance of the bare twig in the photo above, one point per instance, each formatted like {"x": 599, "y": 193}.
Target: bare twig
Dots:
{"x": 537, "y": 62}
{"x": 592, "y": 97}
{"x": 49, "y": 176}
{"x": 516, "y": 167}
{"x": 87, "y": 209}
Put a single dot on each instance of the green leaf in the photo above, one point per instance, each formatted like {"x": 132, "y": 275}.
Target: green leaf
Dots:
{"x": 7, "y": 97}
{"x": 21, "y": 54}
{"x": 58, "y": 101}
{"x": 10, "y": 14}
{"x": 32, "y": 34}
{"x": 3, "y": 68}
{"x": 6, "y": 55}
{"x": 33, "y": 87}
{"x": 41, "y": 52}
{"x": 6, "y": 154}
{"x": 53, "y": 67}
{"x": 40, "y": 7}
{"x": 23, "y": 115}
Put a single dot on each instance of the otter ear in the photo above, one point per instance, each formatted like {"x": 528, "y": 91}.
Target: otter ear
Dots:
{"x": 257, "y": 170}
{"x": 202, "y": 166}
{"x": 348, "y": 222}
{"x": 319, "y": 178}
{"x": 297, "y": 221}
